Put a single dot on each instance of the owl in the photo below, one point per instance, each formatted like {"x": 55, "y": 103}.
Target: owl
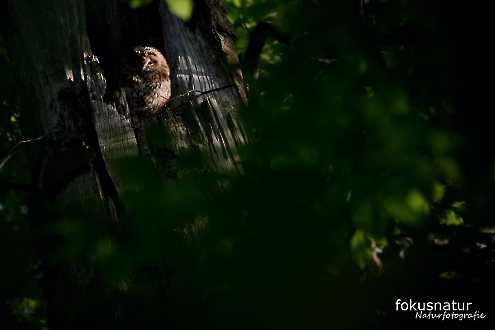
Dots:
{"x": 144, "y": 84}
{"x": 145, "y": 80}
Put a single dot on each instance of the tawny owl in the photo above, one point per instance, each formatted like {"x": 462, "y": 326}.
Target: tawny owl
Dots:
{"x": 145, "y": 79}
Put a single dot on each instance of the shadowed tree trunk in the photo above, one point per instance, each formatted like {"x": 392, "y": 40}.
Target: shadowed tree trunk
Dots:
{"x": 69, "y": 53}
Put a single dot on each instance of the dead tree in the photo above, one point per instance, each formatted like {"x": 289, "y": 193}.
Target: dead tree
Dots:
{"x": 68, "y": 53}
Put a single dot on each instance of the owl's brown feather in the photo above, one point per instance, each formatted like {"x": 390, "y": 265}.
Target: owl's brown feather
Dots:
{"x": 145, "y": 79}
{"x": 144, "y": 84}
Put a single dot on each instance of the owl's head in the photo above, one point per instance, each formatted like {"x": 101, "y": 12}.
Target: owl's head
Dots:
{"x": 148, "y": 59}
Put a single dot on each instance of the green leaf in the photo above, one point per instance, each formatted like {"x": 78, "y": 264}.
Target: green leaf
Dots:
{"x": 181, "y": 8}
{"x": 451, "y": 219}
{"x": 438, "y": 192}
{"x": 459, "y": 206}
{"x": 410, "y": 209}
{"x": 138, "y": 3}
{"x": 417, "y": 202}
{"x": 360, "y": 248}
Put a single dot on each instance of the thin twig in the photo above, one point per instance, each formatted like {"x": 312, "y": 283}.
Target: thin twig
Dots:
{"x": 12, "y": 150}
{"x": 198, "y": 94}
{"x": 216, "y": 89}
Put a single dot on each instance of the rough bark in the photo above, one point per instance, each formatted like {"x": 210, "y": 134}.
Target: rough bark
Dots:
{"x": 211, "y": 124}
{"x": 199, "y": 53}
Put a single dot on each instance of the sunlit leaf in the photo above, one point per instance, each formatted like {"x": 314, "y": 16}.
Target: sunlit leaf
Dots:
{"x": 181, "y": 8}
{"x": 410, "y": 209}
{"x": 417, "y": 202}
{"x": 451, "y": 219}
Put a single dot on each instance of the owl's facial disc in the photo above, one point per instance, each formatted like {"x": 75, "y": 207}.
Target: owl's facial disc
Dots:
{"x": 150, "y": 62}
{"x": 145, "y": 63}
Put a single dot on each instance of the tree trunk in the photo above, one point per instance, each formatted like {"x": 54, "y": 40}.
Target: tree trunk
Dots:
{"x": 68, "y": 52}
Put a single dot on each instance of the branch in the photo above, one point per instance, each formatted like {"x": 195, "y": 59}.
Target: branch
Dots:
{"x": 12, "y": 150}
{"x": 179, "y": 101}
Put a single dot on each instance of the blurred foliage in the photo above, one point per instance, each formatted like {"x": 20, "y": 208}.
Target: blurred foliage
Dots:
{"x": 139, "y": 3}
{"x": 354, "y": 149}
{"x": 18, "y": 279}
{"x": 181, "y": 8}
